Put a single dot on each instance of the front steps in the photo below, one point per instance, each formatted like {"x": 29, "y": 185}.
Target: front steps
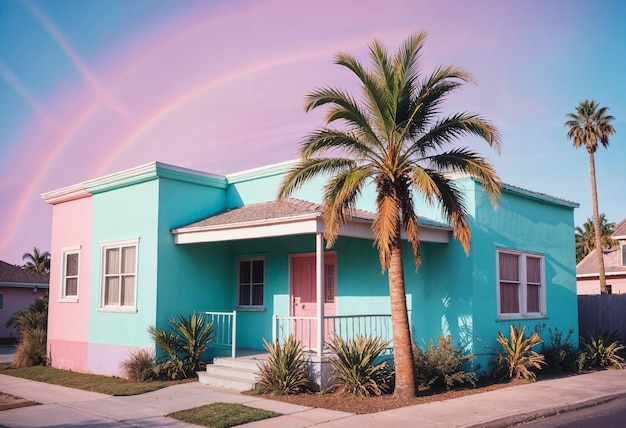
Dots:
{"x": 234, "y": 373}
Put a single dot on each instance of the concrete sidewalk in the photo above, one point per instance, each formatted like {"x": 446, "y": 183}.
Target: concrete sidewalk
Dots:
{"x": 67, "y": 407}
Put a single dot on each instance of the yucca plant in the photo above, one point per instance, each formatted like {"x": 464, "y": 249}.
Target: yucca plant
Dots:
{"x": 358, "y": 368}
{"x": 183, "y": 346}
{"x": 603, "y": 349}
{"x": 285, "y": 371}
{"x": 517, "y": 359}
{"x": 441, "y": 365}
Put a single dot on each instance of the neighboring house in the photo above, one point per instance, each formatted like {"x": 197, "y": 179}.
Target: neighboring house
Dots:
{"x": 140, "y": 246}
{"x": 587, "y": 278}
{"x": 18, "y": 289}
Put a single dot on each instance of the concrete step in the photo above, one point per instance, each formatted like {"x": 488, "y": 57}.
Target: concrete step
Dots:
{"x": 235, "y": 383}
{"x": 234, "y": 373}
{"x": 228, "y": 371}
{"x": 248, "y": 363}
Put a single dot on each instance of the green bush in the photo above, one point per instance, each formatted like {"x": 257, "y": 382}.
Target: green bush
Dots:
{"x": 140, "y": 366}
{"x": 183, "y": 346}
{"x": 560, "y": 354}
{"x": 517, "y": 359}
{"x": 602, "y": 349}
{"x": 31, "y": 349}
{"x": 441, "y": 365}
{"x": 357, "y": 367}
{"x": 285, "y": 371}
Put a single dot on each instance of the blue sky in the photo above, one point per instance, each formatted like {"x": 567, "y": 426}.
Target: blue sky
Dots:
{"x": 91, "y": 87}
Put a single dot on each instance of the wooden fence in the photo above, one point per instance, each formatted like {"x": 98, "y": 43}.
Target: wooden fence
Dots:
{"x": 607, "y": 312}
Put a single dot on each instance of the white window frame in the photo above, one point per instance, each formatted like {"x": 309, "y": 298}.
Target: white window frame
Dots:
{"x": 523, "y": 286}
{"x": 64, "y": 297}
{"x": 103, "y": 251}
{"x": 250, "y": 307}
{"x": 622, "y": 249}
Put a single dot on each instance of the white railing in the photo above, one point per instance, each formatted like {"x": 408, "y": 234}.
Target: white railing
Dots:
{"x": 225, "y": 328}
{"x": 304, "y": 329}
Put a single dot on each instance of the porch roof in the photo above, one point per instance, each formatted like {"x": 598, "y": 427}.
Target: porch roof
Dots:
{"x": 290, "y": 217}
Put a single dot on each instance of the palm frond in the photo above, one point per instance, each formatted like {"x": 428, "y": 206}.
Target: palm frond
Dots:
{"x": 385, "y": 225}
{"x": 307, "y": 169}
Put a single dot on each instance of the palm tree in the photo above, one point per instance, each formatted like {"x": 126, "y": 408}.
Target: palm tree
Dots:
{"x": 394, "y": 137}
{"x": 37, "y": 262}
{"x": 586, "y": 127}
{"x": 586, "y": 237}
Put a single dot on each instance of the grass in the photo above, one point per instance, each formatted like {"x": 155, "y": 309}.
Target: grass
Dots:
{"x": 222, "y": 415}
{"x": 8, "y": 401}
{"x": 87, "y": 382}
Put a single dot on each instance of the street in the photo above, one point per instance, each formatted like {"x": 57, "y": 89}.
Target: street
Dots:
{"x": 607, "y": 415}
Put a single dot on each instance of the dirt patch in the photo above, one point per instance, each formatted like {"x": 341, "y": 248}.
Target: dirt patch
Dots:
{"x": 362, "y": 405}
{"x": 8, "y": 401}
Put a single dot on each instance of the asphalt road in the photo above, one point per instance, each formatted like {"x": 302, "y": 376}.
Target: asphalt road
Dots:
{"x": 611, "y": 414}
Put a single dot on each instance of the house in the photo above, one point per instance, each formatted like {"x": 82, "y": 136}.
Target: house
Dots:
{"x": 158, "y": 241}
{"x": 18, "y": 289}
{"x": 587, "y": 277}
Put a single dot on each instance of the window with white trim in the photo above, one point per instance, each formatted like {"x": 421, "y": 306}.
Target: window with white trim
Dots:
{"x": 623, "y": 248}
{"x": 69, "y": 273}
{"x": 251, "y": 283}
{"x": 521, "y": 284}
{"x": 119, "y": 275}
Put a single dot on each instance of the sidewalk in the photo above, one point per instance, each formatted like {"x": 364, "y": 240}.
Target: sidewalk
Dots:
{"x": 67, "y": 407}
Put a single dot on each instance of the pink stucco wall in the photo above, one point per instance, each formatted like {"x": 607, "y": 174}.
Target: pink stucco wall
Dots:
{"x": 592, "y": 285}
{"x": 68, "y": 321}
{"x": 102, "y": 355}
{"x": 15, "y": 299}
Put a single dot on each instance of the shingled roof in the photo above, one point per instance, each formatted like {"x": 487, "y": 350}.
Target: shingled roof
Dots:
{"x": 15, "y": 276}
{"x": 620, "y": 230}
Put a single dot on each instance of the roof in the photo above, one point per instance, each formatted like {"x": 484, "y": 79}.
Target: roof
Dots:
{"x": 540, "y": 196}
{"x": 288, "y": 217}
{"x": 620, "y": 230}
{"x": 15, "y": 276}
{"x": 588, "y": 267}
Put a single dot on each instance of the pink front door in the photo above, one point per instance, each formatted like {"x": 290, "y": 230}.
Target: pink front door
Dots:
{"x": 304, "y": 296}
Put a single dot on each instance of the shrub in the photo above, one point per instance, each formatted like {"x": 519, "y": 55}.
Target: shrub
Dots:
{"x": 517, "y": 359}
{"x": 603, "y": 348}
{"x": 31, "y": 349}
{"x": 358, "y": 368}
{"x": 285, "y": 371}
{"x": 560, "y": 354}
{"x": 183, "y": 346}
{"x": 441, "y": 365}
{"x": 141, "y": 366}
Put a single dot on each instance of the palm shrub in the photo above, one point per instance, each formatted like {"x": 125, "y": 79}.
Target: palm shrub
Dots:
{"x": 517, "y": 359}
{"x": 140, "y": 366}
{"x": 441, "y": 365}
{"x": 285, "y": 371}
{"x": 31, "y": 327}
{"x": 602, "y": 349}
{"x": 183, "y": 345}
{"x": 358, "y": 368}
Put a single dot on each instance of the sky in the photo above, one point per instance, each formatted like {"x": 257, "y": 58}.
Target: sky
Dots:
{"x": 93, "y": 87}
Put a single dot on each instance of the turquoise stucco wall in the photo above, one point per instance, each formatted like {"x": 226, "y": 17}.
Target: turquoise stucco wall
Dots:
{"x": 126, "y": 213}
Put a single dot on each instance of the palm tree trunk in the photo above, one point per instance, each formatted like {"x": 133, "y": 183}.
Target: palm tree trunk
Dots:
{"x": 596, "y": 225}
{"x": 402, "y": 343}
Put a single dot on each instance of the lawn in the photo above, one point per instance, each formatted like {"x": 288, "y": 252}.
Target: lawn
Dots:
{"x": 87, "y": 382}
{"x": 222, "y": 415}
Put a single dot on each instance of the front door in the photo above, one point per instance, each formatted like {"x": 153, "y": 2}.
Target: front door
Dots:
{"x": 304, "y": 296}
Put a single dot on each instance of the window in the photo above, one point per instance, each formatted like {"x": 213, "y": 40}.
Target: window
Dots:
{"x": 119, "y": 275}
{"x": 521, "y": 284}
{"x": 1, "y": 301}
{"x": 69, "y": 275}
{"x": 251, "y": 283}
{"x": 623, "y": 248}
{"x": 329, "y": 283}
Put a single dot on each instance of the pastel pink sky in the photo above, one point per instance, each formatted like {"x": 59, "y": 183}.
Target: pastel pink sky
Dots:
{"x": 91, "y": 88}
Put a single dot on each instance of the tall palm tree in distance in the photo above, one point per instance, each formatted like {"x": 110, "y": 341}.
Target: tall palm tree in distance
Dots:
{"x": 586, "y": 237}
{"x": 588, "y": 126}
{"x": 394, "y": 136}
{"x": 37, "y": 261}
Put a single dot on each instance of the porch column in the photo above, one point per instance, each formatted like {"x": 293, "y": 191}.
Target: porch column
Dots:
{"x": 319, "y": 288}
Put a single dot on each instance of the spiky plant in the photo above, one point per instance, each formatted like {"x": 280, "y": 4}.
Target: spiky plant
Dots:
{"x": 517, "y": 359}
{"x": 603, "y": 349}
{"x": 140, "y": 366}
{"x": 285, "y": 371}
{"x": 358, "y": 368}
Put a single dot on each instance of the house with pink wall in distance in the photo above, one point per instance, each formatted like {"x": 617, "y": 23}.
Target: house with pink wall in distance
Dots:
{"x": 134, "y": 248}
{"x": 587, "y": 277}
{"x": 18, "y": 289}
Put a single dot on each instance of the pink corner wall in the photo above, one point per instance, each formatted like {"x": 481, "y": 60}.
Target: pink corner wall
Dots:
{"x": 592, "y": 285}
{"x": 15, "y": 299}
{"x": 68, "y": 321}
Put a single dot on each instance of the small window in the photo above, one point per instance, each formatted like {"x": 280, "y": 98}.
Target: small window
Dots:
{"x": 521, "y": 285}
{"x": 329, "y": 283}
{"x": 1, "y": 301}
{"x": 623, "y": 248}
{"x": 251, "y": 283}
{"x": 69, "y": 278}
{"x": 119, "y": 275}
